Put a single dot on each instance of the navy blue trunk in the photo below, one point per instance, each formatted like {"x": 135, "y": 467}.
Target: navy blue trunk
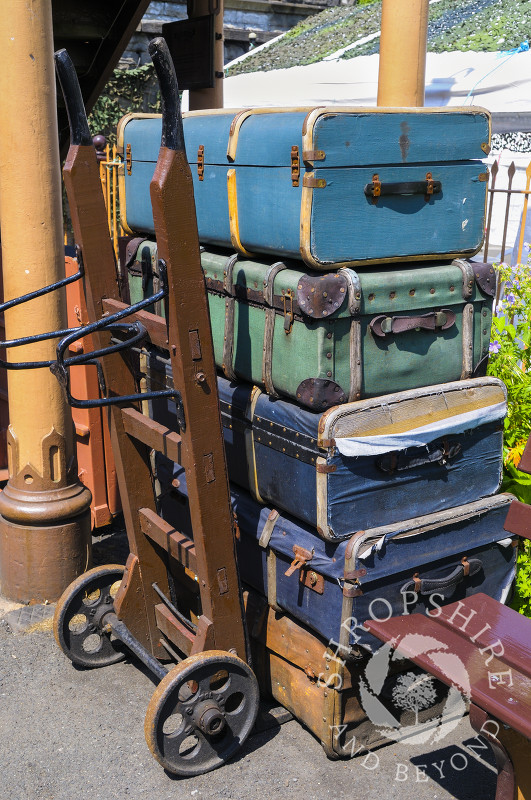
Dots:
{"x": 291, "y": 458}
{"x": 410, "y": 567}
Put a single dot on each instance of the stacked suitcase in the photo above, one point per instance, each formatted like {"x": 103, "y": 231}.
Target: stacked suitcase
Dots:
{"x": 351, "y": 332}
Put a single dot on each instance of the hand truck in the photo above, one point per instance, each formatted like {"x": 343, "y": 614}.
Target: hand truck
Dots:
{"x": 205, "y": 707}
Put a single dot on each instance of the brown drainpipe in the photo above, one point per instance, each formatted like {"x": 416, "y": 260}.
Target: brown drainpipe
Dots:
{"x": 403, "y": 40}
{"x": 45, "y": 511}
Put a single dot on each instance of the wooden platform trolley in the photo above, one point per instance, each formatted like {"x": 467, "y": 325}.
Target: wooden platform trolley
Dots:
{"x": 204, "y": 708}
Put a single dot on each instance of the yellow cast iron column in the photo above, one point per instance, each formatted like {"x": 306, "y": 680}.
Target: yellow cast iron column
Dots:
{"x": 45, "y": 514}
{"x": 210, "y": 98}
{"x": 403, "y": 53}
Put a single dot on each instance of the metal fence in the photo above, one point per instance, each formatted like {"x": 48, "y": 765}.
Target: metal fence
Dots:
{"x": 497, "y": 201}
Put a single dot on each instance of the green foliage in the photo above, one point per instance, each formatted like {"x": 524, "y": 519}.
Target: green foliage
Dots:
{"x": 502, "y": 25}
{"x": 127, "y": 90}
{"x": 511, "y": 362}
{"x": 522, "y": 598}
{"x": 510, "y": 355}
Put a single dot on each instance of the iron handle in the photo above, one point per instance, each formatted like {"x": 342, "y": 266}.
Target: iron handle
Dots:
{"x": 382, "y": 325}
{"x": 426, "y": 187}
{"x": 425, "y": 586}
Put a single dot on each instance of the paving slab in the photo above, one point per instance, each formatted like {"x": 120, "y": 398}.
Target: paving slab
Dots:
{"x": 74, "y": 734}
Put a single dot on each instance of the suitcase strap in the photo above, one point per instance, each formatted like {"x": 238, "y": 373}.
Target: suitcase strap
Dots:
{"x": 383, "y": 325}
{"x": 428, "y": 586}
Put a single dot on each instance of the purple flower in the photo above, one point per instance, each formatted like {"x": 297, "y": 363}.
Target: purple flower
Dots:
{"x": 494, "y": 347}
{"x": 510, "y": 298}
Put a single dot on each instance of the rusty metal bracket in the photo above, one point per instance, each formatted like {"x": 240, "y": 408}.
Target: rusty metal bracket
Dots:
{"x": 354, "y": 574}
{"x": 201, "y": 162}
{"x": 376, "y": 187}
{"x": 128, "y": 159}
{"x": 313, "y": 155}
{"x": 288, "y": 314}
{"x": 312, "y": 580}
{"x": 302, "y": 556}
{"x": 295, "y": 166}
{"x": 352, "y": 590}
{"x": 311, "y": 182}
{"x": 429, "y": 186}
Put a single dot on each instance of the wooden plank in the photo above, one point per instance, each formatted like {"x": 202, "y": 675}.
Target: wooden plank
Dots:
{"x": 525, "y": 461}
{"x": 464, "y": 661}
{"x": 154, "y": 325}
{"x": 491, "y": 621}
{"x": 179, "y": 546}
{"x": 518, "y": 519}
{"x": 151, "y": 433}
{"x": 174, "y": 630}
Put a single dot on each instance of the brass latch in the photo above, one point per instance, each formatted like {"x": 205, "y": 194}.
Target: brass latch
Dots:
{"x": 128, "y": 159}
{"x": 201, "y": 161}
{"x": 288, "y": 312}
{"x": 302, "y": 556}
{"x": 295, "y": 166}
{"x": 376, "y": 187}
{"x": 429, "y": 185}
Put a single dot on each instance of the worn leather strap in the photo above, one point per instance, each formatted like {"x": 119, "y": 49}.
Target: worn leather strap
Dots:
{"x": 426, "y": 586}
{"x": 383, "y": 325}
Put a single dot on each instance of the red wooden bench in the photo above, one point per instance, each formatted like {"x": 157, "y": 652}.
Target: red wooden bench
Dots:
{"x": 493, "y": 642}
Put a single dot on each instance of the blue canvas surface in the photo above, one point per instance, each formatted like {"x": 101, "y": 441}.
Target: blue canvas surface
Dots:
{"x": 433, "y": 554}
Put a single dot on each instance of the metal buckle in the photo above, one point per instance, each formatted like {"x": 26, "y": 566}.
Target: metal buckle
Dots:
{"x": 288, "y": 315}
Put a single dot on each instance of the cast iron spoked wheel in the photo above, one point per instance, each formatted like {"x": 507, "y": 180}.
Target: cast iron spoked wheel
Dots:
{"x": 201, "y": 712}
{"x": 79, "y": 611}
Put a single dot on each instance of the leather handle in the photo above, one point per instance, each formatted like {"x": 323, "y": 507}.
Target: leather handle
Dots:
{"x": 382, "y": 325}
{"x": 425, "y": 187}
{"x": 466, "y": 568}
{"x": 439, "y": 453}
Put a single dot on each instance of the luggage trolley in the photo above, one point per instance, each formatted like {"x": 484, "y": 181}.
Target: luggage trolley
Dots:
{"x": 205, "y": 707}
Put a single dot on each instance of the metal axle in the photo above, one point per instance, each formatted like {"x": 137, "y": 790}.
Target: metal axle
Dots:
{"x": 123, "y": 633}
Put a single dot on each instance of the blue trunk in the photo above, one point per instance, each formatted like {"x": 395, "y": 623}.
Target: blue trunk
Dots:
{"x": 330, "y": 186}
{"x": 289, "y": 457}
{"x": 439, "y": 550}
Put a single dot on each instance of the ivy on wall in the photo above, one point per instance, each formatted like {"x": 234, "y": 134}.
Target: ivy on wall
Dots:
{"x": 127, "y": 90}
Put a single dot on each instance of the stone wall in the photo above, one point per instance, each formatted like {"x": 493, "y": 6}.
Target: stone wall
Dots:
{"x": 246, "y": 23}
